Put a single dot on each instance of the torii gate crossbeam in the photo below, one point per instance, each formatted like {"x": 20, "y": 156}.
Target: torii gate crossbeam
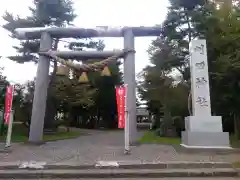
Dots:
{"x": 74, "y": 32}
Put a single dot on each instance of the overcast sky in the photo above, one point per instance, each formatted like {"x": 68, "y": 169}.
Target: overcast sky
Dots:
{"x": 90, "y": 13}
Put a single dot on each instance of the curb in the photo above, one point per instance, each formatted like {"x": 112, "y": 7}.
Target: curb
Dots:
{"x": 116, "y": 173}
{"x": 184, "y": 150}
{"x": 116, "y": 165}
{"x": 5, "y": 150}
{"x": 238, "y": 170}
{"x": 27, "y": 143}
{"x": 124, "y": 165}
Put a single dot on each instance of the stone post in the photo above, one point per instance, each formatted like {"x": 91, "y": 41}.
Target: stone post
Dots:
{"x": 40, "y": 93}
{"x": 202, "y": 129}
{"x": 129, "y": 79}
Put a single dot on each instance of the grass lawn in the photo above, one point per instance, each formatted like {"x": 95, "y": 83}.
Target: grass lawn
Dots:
{"x": 235, "y": 143}
{"x": 236, "y": 164}
{"x": 19, "y": 134}
{"x": 150, "y": 137}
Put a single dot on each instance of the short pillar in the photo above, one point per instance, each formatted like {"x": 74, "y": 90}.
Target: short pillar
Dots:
{"x": 202, "y": 129}
{"x": 129, "y": 79}
{"x": 40, "y": 93}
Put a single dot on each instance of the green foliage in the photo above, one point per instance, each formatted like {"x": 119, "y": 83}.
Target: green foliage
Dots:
{"x": 22, "y": 102}
{"x": 43, "y": 13}
{"x": 53, "y": 12}
{"x": 105, "y": 98}
{"x": 186, "y": 4}
{"x": 71, "y": 93}
{"x": 151, "y": 137}
{"x": 217, "y": 22}
{"x": 225, "y": 62}
{"x": 64, "y": 95}
{"x": 169, "y": 57}
{"x": 3, "y": 85}
{"x": 20, "y": 134}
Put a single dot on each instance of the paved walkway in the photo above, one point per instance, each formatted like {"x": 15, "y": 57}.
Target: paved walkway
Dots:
{"x": 103, "y": 145}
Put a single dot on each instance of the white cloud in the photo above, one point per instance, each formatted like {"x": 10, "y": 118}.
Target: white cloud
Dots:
{"x": 90, "y": 13}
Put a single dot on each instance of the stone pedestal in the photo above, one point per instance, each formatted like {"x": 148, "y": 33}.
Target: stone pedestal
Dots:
{"x": 204, "y": 132}
{"x": 203, "y": 123}
{"x": 202, "y": 129}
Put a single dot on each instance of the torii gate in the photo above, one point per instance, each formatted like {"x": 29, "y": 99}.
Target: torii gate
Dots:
{"x": 47, "y": 34}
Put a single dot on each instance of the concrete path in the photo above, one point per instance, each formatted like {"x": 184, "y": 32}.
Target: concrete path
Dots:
{"x": 106, "y": 146}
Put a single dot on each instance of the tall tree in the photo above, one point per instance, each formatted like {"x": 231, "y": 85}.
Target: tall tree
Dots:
{"x": 3, "y": 84}
{"x": 105, "y": 98}
{"x": 22, "y": 102}
{"x": 58, "y": 13}
{"x": 178, "y": 31}
{"x": 216, "y": 21}
{"x": 169, "y": 56}
{"x": 43, "y": 13}
{"x": 223, "y": 42}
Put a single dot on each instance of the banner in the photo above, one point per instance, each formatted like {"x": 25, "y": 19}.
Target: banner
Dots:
{"x": 121, "y": 96}
{"x": 8, "y": 103}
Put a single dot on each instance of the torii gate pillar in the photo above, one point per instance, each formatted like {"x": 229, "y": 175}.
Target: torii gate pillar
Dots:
{"x": 40, "y": 92}
{"x": 129, "y": 79}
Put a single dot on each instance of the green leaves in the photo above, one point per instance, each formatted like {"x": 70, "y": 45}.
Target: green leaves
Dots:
{"x": 187, "y": 4}
{"x": 54, "y": 12}
{"x": 223, "y": 44}
{"x": 72, "y": 93}
{"x": 169, "y": 56}
{"x": 44, "y": 13}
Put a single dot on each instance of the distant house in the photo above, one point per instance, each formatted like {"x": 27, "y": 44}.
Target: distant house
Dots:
{"x": 142, "y": 115}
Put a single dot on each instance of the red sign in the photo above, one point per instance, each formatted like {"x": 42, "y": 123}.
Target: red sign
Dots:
{"x": 8, "y": 103}
{"x": 121, "y": 96}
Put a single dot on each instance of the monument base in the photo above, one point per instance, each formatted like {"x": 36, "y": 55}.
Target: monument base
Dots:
{"x": 218, "y": 140}
{"x": 204, "y": 132}
{"x": 203, "y": 123}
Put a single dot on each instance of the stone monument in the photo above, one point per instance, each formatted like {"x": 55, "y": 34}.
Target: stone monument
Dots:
{"x": 202, "y": 130}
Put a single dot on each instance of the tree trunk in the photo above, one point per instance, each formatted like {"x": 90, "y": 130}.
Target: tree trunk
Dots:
{"x": 190, "y": 104}
{"x": 50, "y": 113}
{"x": 189, "y": 27}
{"x": 236, "y": 126}
{"x": 49, "y": 119}
{"x": 70, "y": 118}
{"x": 157, "y": 120}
